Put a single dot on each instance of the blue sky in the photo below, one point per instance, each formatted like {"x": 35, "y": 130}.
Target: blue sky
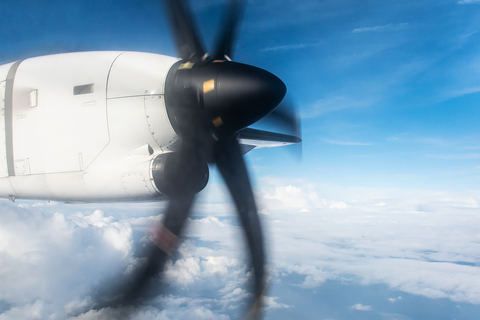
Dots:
{"x": 378, "y": 221}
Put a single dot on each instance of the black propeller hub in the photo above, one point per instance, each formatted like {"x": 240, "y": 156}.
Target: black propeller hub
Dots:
{"x": 228, "y": 96}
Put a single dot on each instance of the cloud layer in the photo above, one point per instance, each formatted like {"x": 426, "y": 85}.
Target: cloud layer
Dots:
{"x": 52, "y": 257}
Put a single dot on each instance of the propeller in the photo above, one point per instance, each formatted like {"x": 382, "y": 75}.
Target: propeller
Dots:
{"x": 227, "y": 38}
{"x": 286, "y": 119}
{"x": 188, "y": 44}
{"x": 208, "y": 101}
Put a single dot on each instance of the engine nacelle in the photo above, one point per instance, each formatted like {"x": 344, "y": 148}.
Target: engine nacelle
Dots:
{"x": 166, "y": 180}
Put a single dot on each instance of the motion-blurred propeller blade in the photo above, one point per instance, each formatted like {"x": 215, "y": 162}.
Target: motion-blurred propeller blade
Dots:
{"x": 224, "y": 46}
{"x": 189, "y": 46}
{"x": 285, "y": 119}
{"x": 230, "y": 162}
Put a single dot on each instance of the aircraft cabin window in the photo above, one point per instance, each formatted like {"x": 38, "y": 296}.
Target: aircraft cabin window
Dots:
{"x": 84, "y": 89}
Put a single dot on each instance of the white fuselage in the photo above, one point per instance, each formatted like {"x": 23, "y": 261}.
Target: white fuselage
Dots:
{"x": 83, "y": 126}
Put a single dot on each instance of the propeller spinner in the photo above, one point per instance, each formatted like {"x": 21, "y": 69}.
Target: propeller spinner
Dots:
{"x": 231, "y": 96}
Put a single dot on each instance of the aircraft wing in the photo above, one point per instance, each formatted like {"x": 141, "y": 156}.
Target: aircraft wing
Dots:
{"x": 255, "y": 139}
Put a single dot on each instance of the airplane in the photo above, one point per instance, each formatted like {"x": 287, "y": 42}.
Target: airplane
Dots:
{"x": 133, "y": 126}
{"x": 96, "y": 126}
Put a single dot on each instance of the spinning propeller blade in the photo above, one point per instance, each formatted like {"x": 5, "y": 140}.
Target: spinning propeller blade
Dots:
{"x": 189, "y": 46}
{"x": 225, "y": 42}
{"x": 286, "y": 118}
{"x": 230, "y": 162}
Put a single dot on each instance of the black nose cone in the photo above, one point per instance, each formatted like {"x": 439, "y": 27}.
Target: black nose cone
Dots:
{"x": 241, "y": 95}
{"x": 225, "y": 95}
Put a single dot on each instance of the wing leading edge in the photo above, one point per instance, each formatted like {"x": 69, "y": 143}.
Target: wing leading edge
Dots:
{"x": 255, "y": 139}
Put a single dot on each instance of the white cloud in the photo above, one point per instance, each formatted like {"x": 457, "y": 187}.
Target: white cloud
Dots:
{"x": 339, "y": 205}
{"x": 416, "y": 242}
{"x": 468, "y": 1}
{"x": 411, "y": 243}
{"x": 271, "y": 303}
{"x": 218, "y": 266}
{"x": 293, "y": 197}
{"x": 118, "y": 234}
{"x": 28, "y": 311}
{"x": 77, "y": 304}
{"x": 387, "y": 27}
{"x": 236, "y": 295}
{"x": 264, "y": 212}
{"x": 51, "y": 260}
{"x": 290, "y": 47}
{"x": 57, "y": 260}
{"x": 463, "y": 91}
{"x": 175, "y": 309}
{"x": 392, "y": 300}
{"x": 183, "y": 271}
{"x": 304, "y": 199}
{"x": 361, "y": 307}
{"x": 380, "y": 204}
